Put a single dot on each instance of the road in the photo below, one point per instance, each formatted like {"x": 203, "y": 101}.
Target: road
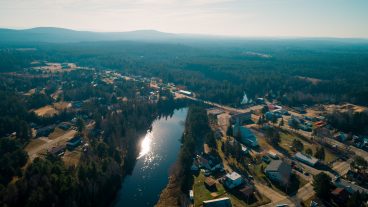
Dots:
{"x": 223, "y": 107}
{"x": 306, "y": 192}
{"x": 274, "y": 196}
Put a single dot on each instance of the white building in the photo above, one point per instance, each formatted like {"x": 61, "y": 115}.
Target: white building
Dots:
{"x": 233, "y": 180}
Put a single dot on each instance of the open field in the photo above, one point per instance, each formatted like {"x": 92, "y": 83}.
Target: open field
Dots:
{"x": 40, "y": 146}
{"x": 46, "y": 111}
{"x": 201, "y": 193}
{"x": 72, "y": 158}
{"x": 287, "y": 139}
{"x": 50, "y": 110}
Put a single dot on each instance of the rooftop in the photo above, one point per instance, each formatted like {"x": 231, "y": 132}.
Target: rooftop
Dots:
{"x": 220, "y": 202}
{"x": 233, "y": 176}
{"x": 276, "y": 165}
{"x": 306, "y": 158}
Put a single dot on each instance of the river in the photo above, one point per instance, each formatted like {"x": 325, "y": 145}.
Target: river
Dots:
{"x": 159, "y": 150}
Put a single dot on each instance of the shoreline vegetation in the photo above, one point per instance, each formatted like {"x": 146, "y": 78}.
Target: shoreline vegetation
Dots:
{"x": 181, "y": 179}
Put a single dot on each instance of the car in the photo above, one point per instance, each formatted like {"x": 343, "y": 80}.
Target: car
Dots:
{"x": 306, "y": 173}
{"x": 282, "y": 205}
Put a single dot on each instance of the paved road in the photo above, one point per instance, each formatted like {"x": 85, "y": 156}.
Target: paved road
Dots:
{"x": 306, "y": 192}
{"x": 223, "y": 107}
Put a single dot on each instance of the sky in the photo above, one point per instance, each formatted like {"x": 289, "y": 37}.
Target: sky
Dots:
{"x": 248, "y": 18}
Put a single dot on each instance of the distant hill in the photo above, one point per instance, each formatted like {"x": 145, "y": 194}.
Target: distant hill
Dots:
{"x": 61, "y": 35}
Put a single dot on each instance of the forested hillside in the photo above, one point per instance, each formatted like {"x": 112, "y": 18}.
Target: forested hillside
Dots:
{"x": 296, "y": 72}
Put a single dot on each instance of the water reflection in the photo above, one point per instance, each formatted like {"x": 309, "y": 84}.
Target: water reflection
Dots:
{"x": 148, "y": 153}
{"x": 145, "y": 145}
{"x": 158, "y": 152}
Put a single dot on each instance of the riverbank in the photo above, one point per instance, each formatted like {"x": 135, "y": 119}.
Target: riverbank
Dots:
{"x": 181, "y": 179}
{"x": 158, "y": 152}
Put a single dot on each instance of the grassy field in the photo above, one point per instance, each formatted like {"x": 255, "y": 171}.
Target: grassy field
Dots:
{"x": 260, "y": 200}
{"x": 201, "y": 193}
{"x": 287, "y": 139}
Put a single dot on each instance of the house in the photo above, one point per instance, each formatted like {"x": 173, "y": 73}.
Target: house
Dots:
{"x": 208, "y": 162}
{"x": 245, "y": 135}
{"x": 45, "y": 131}
{"x": 220, "y": 202}
{"x": 260, "y": 101}
{"x": 233, "y": 180}
{"x": 340, "y": 195}
{"x": 349, "y": 186}
{"x": 57, "y": 151}
{"x": 187, "y": 93}
{"x": 322, "y": 132}
{"x": 247, "y": 191}
{"x": 273, "y": 154}
{"x": 278, "y": 171}
{"x": 342, "y": 137}
{"x": 306, "y": 159}
{"x": 203, "y": 162}
{"x": 73, "y": 143}
{"x": 241, "y": 118}
{"x": 218, "y": 134}
{"x": 195, "y": 166}
{"x": 294, "y": 122}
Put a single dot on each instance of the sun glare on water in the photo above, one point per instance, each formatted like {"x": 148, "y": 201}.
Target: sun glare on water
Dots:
{"x": 145, "y": 145}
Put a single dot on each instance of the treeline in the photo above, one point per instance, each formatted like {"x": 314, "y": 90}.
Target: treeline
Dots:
{"x": 294, "y": 72}
{"x": 349, "y": 121}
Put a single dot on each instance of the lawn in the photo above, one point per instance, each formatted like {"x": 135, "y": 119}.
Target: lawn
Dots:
{"x": 260, "y": 200}
{"x": 201, "y": 193}
{"x": 287, "y": 139}
{"x": 257, "y": 171}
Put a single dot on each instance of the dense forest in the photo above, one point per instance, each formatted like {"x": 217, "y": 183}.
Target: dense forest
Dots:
{"x": 114, "y": 139}
{"x": 296, "y": 72}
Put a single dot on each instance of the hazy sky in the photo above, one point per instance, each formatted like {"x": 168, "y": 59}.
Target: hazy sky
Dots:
{"x": 336, "y": 18}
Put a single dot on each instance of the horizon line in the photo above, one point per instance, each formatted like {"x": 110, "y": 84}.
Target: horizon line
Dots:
{"x": 190, "y": 34}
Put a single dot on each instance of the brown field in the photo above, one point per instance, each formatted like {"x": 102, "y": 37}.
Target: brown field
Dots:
{"x": 345, "y": 107}
{"x": 61, "y": 105}
{"x": 40, "y": 146}
{"x": 72, "y": 158}
{"x": 50, "y": 110}
{"x": 46, "y": 111}
{"x": 56, "y": 133}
